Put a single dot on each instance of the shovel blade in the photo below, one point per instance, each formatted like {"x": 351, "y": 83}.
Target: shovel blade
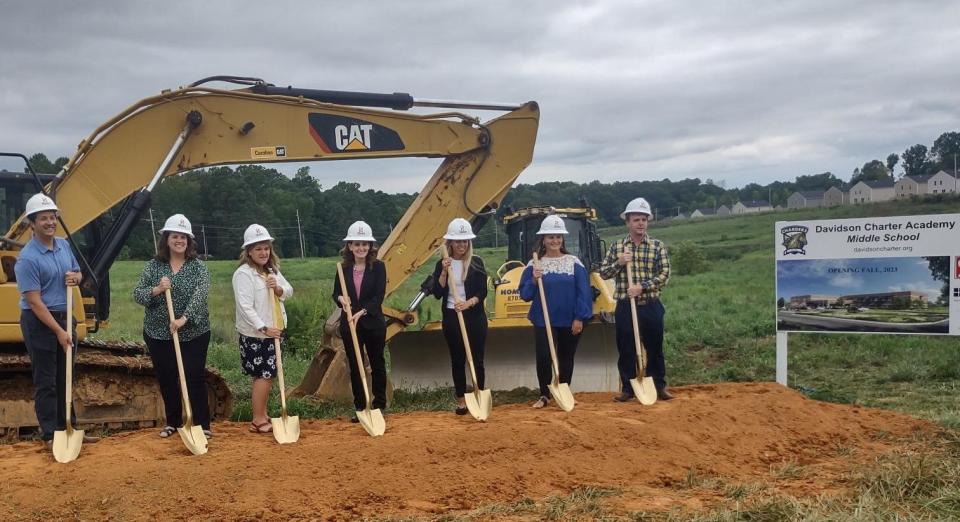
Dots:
{"x": 66, "y": 445}
{"x": 286, "y": 429}
{"x": 372, "y": 421}
{"x": 193, "y": 438}
{"x": 479, "y": 404}
{"x": 562, "y": 394}
{"x": 644, "y": 390}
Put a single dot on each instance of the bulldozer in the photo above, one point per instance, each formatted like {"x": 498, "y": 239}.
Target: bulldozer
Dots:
{"x": 419, "y": 359}
{"x": 116, "y": 168}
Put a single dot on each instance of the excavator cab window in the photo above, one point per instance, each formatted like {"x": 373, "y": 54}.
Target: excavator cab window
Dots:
{"x": 15, "y": 189}
{"x": 580, "y": 240}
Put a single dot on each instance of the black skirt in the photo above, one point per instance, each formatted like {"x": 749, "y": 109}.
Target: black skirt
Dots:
{"x": 258, "y": 358}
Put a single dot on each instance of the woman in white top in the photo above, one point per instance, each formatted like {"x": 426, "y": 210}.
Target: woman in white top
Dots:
{"x": 257, "y": 276}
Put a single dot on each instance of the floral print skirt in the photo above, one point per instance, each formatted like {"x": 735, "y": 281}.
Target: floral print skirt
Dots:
{"x": 258, "y": 357}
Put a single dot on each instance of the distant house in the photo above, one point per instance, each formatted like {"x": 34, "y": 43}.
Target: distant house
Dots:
{"x": 805, "y": 199}
{"x": 911, "y": 186}
{"x": 751, "y": 207}
{"x": 834, "y": 197}
{"x": 941, "y": 183}
{"x": 871, "y": 191}
{"x": 723, "y": 210}
{"x": 703, "y": 212}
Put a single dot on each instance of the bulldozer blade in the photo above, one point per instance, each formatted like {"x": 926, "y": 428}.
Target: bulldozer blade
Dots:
{"x": 67, "y": 444}
{"x": 562, "y": 394}
{"x": 420, "y": 360}
{"x": 372, "y": 421}
{"x": 286, "y": 429}
{"x": 644, "y": 390}
{"x": 479, "y": 404}
{"x": 193, "y": 438}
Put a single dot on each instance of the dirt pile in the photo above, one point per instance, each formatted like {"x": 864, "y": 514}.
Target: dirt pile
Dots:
{"x": 435, "y": 462}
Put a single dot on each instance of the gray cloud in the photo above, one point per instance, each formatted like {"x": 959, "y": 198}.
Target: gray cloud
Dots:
{"x": 736, "y": 91}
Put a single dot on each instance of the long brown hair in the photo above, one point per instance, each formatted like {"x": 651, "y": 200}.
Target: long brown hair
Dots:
{"x": 467, "y": 257}
{"x": 347, "y": 255}
{"x": 163, "y": 249}
{"x": 541, "y": 249}
{"x": 272, "y": 265}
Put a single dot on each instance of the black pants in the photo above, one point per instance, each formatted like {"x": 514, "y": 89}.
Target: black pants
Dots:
{"x": 372, "y": 341}
{"x": 194, "y": 353}
{"x": 476, "y": 323}
{"x": 650, "y": 321}
{"x": 48, "y": 363}
{"x": 566, "y": 344}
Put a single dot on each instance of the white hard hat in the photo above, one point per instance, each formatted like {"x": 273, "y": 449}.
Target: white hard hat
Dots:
{"x": 254, "y": 234}
{"x": 459, "y": 229}
{"x": 39, "y": 203}
{"x": 178, "y": 223}
{"x": 552, "y": 225}
{"x": 359, "y": 231}
{"x": 639, "y": 206}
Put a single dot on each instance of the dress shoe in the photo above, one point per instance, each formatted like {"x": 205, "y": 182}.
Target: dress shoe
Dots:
{"x": 664, "y": 395}
{"x": 91, "y": 439}
{"x": 624, "y": 397}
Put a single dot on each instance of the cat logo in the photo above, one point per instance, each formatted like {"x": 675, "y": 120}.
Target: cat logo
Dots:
{"x": 342, "y": 135}
{"x": 271, "y": 152}
{"x": 354, "y": 137}
{"x": 794, "y": 239}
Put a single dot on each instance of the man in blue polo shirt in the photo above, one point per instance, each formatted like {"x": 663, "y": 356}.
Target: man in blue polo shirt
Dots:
{"x": 45, "y": 268}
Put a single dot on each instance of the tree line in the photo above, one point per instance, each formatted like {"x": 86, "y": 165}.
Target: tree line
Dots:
{"x": 222, "y": 201}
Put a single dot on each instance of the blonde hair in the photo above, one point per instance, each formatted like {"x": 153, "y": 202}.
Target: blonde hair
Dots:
{"x": 467, "y": 258}
{"x": 272, "y": 263}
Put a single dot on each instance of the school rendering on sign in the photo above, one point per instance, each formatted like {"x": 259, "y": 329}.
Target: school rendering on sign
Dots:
{"x": 881, "y": 275}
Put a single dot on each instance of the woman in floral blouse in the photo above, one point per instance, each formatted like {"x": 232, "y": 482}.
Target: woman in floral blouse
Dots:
{"x": 258, "y": 320}
{"x": 177, "y": 268}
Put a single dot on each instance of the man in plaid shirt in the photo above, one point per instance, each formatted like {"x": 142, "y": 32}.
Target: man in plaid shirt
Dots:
{"x": 651, "y": 271}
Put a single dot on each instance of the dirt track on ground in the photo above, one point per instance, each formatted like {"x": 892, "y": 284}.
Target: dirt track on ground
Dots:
{"x": 431, "y": 463}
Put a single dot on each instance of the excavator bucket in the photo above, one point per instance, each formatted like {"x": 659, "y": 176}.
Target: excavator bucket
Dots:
{"x": 419, "y": 359}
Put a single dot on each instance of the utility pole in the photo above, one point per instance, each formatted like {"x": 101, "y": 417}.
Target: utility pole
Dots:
{"x": 954, "y": 173}
{"x": 300, "y": 234}
{"x": 153, "y": 227}
{"x": 496, "y": 234}
{"x": 203, "y": 230}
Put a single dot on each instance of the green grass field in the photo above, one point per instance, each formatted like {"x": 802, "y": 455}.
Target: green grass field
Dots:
{"x": 720, "y": 324}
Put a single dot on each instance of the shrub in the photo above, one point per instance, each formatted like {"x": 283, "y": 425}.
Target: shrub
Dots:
{"x": 686, "y": 258}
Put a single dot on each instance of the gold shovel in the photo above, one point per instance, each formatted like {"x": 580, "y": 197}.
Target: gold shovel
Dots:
{"x": 67, "y": 443}
{"x": 286, "y": 429}
{"x": 643, "y": 388}
{"x": 192, "y": 436}
{"x": 480, "y": 402}
{"x": 371, "y": 420}
{"x": 560, "y": 390}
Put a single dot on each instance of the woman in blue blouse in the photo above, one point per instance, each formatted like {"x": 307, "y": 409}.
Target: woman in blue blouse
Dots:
{"x": 569, "y": 301}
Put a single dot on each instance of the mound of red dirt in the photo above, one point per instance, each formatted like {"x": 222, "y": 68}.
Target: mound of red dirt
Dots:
{"x": 435, "y": 462}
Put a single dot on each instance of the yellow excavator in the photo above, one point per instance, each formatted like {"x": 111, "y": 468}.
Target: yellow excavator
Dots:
{"x": 119, "y": 164}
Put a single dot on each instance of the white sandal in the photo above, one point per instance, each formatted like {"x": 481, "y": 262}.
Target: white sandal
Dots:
{"x": 541, "y": 402}
{"x": 167, "y": 431}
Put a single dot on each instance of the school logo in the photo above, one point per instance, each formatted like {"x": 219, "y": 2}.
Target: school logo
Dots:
{"x": 794, "y": 239}
{"x": 338, "y": 134}
{"x": 463, "y": 229}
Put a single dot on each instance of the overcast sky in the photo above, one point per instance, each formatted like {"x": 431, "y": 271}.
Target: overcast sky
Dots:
{"x": 629, "y": 90}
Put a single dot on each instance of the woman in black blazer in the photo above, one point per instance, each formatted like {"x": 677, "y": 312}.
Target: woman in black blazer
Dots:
{"x": 362, "y": 269}
{"x": 472, "y": 290}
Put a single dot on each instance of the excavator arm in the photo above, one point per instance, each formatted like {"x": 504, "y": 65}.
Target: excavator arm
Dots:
{"x": 194, "y": 127}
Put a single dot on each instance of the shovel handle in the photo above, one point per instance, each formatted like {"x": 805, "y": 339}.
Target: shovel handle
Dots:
{"x": 641, "y": 358}
{"x": 353, "y": 332}
{"x": 278, "y": 323}
{"x": 546, "y": 321}
{"x": 69, "y": 362}
{"x": 463, "y": 325}
{"x": 185, "y": 397}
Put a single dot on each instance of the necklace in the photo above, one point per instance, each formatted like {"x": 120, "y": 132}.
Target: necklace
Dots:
{"x": 360, "y": 268}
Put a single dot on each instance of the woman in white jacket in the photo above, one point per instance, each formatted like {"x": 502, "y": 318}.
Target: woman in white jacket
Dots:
{"x": 253, "y": 282}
